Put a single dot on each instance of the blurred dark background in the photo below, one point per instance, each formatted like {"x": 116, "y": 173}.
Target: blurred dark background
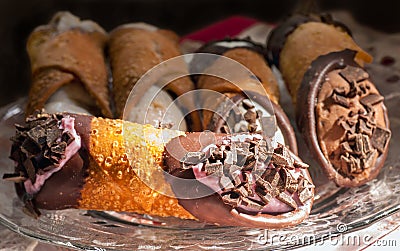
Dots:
{"x": 19, "y": 18}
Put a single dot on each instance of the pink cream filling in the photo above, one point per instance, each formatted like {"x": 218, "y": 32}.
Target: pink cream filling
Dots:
{"x": 67, "y": 125}
{"x": 212, "y": 181}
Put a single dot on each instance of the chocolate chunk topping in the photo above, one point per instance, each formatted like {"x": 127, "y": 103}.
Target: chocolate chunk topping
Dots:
{"x": 247, "y": 178}
{"x": 247, "y": 202}
{"x": 250, "y": 116}
{"x": 15, "y": 177}
{"x": 353, "y": 74}
{"x": 247, "y": 104}
{"x": 38, "y": 147}
{"x": 226, "y": 183}
{"x": 305, "y": 195}
{"x": 341, "y": 100}
{"x": 231, "y": 198}
{"x": 380, "y": 138}
{"x": 30, "y": 170}
{"x": 193, "y": 158}
{"x": 214, "y": 168}
{"x": 287, "y": 199}
{"x": 371, "y": 99}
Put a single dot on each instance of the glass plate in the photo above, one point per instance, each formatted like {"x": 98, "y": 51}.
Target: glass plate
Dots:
{"x": 336, "y": 210}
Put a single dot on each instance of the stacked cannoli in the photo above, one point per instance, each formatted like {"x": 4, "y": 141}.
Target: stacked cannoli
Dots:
{"x": 134, "y": 49}
{"x": 67, "y": 159}
{"x": 68, "y": 67}
{"x": 339, "y": 111}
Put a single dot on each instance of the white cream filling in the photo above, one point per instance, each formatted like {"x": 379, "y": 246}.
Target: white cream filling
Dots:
{"x": 71, "y": 98}
{"x": 161, "y": 110}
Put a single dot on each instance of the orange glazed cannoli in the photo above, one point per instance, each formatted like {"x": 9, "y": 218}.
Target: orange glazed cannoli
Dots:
{"x": 68, "y": 160}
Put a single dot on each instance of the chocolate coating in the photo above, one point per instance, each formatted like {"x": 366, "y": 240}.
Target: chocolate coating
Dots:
{"x": 277, "y": 38}
{"x": 220, "y": 47}
{"x": 211, "y": 208}
{"x": 306, "y": 116}
{"x": 62, "y": 189}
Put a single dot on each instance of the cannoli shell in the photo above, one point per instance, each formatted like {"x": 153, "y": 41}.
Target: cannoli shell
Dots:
{"x": 308, "y": 41}
{"x": 134, "y": 51}
{"x": 60, "y": 56}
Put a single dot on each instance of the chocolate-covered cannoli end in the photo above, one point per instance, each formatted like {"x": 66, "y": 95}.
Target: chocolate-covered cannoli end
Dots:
{"x": 277, "y": 37}
{"x": 251, "y": 112}
{"x": 48, "y": 145}
{"x": 343, "y": 119}
{"x": 236, "y": 182}
{"x": 247, "y": 53}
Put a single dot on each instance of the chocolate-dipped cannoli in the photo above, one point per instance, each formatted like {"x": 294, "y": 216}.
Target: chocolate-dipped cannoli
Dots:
{"x": 136, "y": 48}
{"x": 339, "y": 111}
{"x": 246, "y": 95}
{"x": 68, "y": 67}
{"x": 68, "y": 160}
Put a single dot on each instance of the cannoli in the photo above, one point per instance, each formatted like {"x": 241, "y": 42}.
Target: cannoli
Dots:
{"x": 339, "y": 111}
{"x": 68, "y": 67}
{"x": 251, "y": 97}
{"x": 68, "y": 160}
{"x": 136, "y": 48}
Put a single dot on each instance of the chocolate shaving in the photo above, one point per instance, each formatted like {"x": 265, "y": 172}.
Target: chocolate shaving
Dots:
{"x": 214, "y": 168}
{"x": 67, "y": 137}
{"x": 37, "y": 135}
{"x": 52, "y": 136}
{"x": 231, "y": 198}
{"x": 30, "y": 169}
{"x": 15, "y": 177}
{"x": 370, "y": 159}
{"x": 282, "y": 155}
{"x": 242, "y": 191}
{"x": 340, "y": 100}
{"x": 236, "y": 179}
{"x": 287, "y": 199}
{"x": 380, "y": 138}
{"x": 371, "y": 99}
{"x": 364, "y": 128}
{"x": 250, "y": 116}
{"x": 359, "y": 144}
{"x": 345, "y": 148}
{"x": 251, "y": 204}
{"x": 265, "y": 197}
{"x": 247, "y": 104}
{"x": 299, "y": 164}
{"x": 305, "y": 195}
{"x": 353, "y": 74}
{"x": 193, "y": 158}
{"x": 226, "y": 183}
{"x": 345, "y": 125}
